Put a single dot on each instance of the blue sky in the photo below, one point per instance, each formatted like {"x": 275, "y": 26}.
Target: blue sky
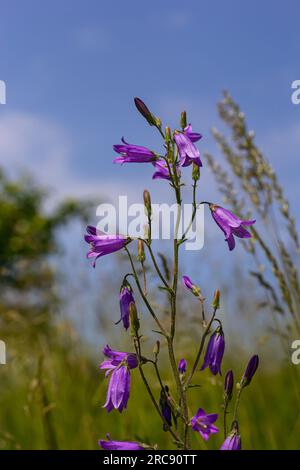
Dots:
{"x": 72, "y": 69}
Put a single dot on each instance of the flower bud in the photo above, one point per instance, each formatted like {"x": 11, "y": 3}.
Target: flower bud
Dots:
{"x": 228, "y": 385}
{"x": 141, "y": 252}
{"x": 147, "y": 202}
{"x": 183, "y": 119}
{"x": 182, "y": 365}
{"x": 216, "y": 300}
{"x": 168, "y": 134}
{"x": 134, "y": 321}
{"x": 145, "y": 112}
{"x": 250, "y": 371}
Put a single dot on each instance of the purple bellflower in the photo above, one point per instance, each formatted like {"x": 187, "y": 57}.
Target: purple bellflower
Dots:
{"x": 214, "y": 352}
{"x": 193, "y": 136}
{"x": 133, "y": 153}
{"x": 187, "y": 151}
{"x": 250, "y": 370}
{"x": 119, "y": 445}
{"x": 182, "y": 365}
{"x": 188, "y": 283}
{"x": 230, "y": 224}
{"x": 102, "y": 244}
{"x": 203, "y": 424}
{"x": 161, "y": 170}
{"x": 126, "y": 297}
{"x": 232, "y": 442}
{"x": 118, "y": 365}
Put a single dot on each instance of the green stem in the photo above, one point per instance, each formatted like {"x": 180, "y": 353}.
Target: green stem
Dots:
{"x": 152, "y": 313}
{"x": 157, "y": 267}
{"x": 202, "y": 343}
{"x": 144, "y": 379}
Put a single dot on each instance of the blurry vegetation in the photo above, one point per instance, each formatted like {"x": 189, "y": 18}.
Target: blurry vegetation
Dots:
{"x": 51, "y": 391}
{"x": 250, "y": 186}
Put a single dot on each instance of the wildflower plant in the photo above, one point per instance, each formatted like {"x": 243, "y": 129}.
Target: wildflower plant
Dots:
{"x": 172, "y": 402}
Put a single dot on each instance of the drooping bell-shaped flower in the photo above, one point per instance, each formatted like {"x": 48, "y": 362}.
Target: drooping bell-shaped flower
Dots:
{"x": 102, "y": 244}
{"x": 165, "y": 408}
{"x": 230, "y": 224}
{"x": 119, "y": 445}
{"x": 214, "y": 352}
{"x": 126, "y": 297}
{"x": 133, "y": 153}
{"x": 118, "y": 366}
{"x": 203, "y": 424}
{"x": 233, "y": 441}
{"x": 187, "y": 151}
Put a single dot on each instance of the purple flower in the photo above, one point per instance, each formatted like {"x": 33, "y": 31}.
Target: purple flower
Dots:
{"x": 230, "y": 224}
{"x": 133, "y": 153}
{"x": 214, "y": 352}
{"x": 188, "y": 283}
{"x": 203, "y": 424}
{"x": 232, "y": 442}
{"x": 118, "y": 365}
{"x": 126, "y": 297}
{"x": 119, "y": 445}
{"x": 193, "y": 136}
{"x": 187, "y": 151}
{"x": 228, "y": 385}
{"x": 182, "y": 365}
{"x": 102, "y": 244}
{"x": 250, "y": 370}
{"x": 161, "y": 170}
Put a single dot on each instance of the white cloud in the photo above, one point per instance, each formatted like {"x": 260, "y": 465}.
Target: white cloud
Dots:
{"x": 37, "y": 146}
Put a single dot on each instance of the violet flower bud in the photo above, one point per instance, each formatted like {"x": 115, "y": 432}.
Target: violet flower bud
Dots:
{"x": 214, "y": 352}
{"x": 191, "y": 286}
{"x": 182, "y": 365}
{"x": 126, "y": 298}
{"x": 250, "y": 370}
{"x": 145, "y": 112}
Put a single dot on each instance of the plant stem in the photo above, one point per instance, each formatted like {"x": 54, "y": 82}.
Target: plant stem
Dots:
{"x": 152, "y": 313}
{"x": 237, "y": 403}
{"x": 206, "y": 332}
{"x": 157, "y": 267}
{"x": 144, "y": 379}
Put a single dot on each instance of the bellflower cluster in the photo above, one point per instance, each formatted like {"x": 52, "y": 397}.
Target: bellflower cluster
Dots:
{"x": 177, "y": 157}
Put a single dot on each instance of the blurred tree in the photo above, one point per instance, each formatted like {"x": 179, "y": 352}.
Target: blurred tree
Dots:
{"x": 28, "y": 241}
